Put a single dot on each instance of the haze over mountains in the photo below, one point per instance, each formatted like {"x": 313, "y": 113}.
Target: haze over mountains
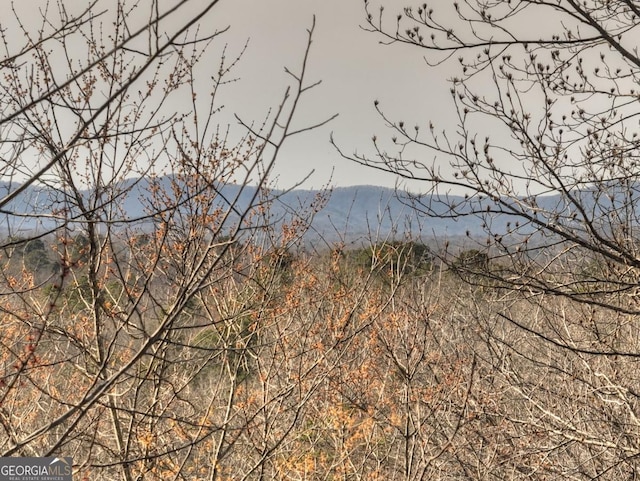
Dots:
{"x": 350, "y": 213}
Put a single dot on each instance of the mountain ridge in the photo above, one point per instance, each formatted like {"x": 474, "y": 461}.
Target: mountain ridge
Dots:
{"x": 350, "y": 213}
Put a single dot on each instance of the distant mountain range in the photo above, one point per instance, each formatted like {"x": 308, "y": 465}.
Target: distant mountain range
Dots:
{"x": 351, "y": 214}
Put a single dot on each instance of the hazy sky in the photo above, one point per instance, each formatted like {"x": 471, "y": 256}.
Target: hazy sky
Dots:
{"x": 354, "y": 68}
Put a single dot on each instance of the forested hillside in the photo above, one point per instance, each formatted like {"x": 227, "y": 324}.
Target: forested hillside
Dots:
{"x": 169, "y": 311}
{"x": 256, "y": 360}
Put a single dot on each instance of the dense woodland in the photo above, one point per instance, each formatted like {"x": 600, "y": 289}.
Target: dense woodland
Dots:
{"x": 205, "y": 339}
{"x": 374, "y": 363}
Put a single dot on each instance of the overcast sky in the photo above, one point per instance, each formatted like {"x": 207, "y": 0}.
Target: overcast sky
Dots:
{"x": 354, "y": 67}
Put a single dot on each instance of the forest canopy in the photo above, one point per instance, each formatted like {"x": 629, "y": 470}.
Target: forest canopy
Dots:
{"x": 206, "y": 339}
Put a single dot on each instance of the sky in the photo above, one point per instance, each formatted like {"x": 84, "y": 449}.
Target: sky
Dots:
{"x": 354, "y": 68}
